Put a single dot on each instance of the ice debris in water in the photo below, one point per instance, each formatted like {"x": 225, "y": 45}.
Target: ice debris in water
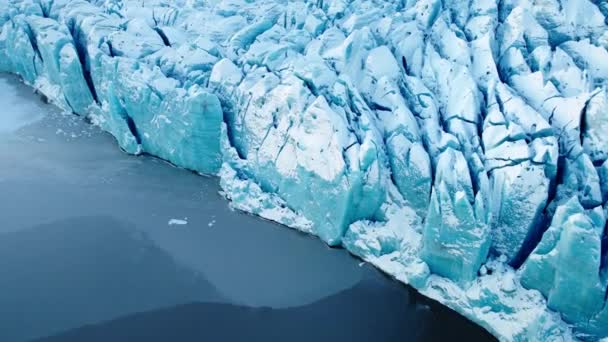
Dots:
{"x": 179, "y": 222}
{"x": 458, "y": 145}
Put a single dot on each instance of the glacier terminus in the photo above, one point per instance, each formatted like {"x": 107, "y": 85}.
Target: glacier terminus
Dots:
{"x": 460, "y": 146}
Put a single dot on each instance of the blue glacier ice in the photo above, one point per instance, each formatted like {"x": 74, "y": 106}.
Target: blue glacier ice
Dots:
{"x": 459, "y": 146}
{"x": 571, "y": 280}
{"x": 456, "y": 235}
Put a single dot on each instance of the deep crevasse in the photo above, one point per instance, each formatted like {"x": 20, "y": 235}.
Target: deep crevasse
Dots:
{"x": 458, "y": 145}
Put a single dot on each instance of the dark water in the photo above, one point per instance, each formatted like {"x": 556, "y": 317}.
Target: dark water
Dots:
{"x": 87, "y": 253}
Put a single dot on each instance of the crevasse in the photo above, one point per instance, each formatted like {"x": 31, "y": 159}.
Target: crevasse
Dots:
{"x": 460, "y": 146}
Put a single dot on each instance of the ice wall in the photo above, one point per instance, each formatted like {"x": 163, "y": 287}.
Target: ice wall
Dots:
{"x": 458, "y": 145}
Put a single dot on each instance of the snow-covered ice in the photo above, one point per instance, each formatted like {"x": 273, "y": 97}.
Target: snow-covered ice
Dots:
{"x": 459, "y": 146}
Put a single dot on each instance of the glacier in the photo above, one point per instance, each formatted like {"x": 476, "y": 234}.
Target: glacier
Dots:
{"x": 459, "y": 146}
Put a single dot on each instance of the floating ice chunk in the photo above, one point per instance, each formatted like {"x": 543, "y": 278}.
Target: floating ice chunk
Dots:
{"x": 179, "y": 222}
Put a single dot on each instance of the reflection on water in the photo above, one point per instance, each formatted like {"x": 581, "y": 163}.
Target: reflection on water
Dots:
{"x": 367, "y": 312}
{"x": 85, "y": 238}
{"x": 15, "y": 112}
{"x": 86, "y": 269}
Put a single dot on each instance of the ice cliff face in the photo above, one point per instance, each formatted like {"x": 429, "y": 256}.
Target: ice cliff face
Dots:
{"x": 459, "y": 145}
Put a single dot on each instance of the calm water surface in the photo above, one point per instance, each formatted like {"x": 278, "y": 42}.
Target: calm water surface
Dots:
{"x": 87, "y": 252}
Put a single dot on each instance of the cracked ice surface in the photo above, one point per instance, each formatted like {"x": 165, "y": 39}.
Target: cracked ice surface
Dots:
{"x": 458, "y": 145}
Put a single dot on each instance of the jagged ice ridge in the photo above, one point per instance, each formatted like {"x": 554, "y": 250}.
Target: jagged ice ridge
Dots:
{"x": 460, "y": 146}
